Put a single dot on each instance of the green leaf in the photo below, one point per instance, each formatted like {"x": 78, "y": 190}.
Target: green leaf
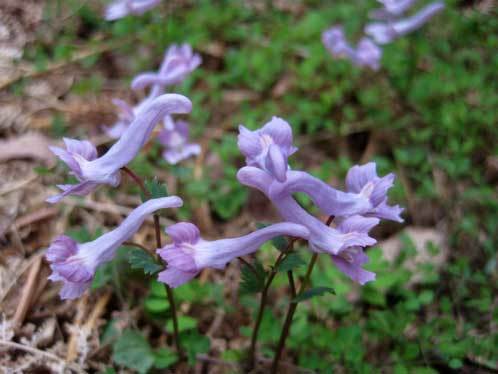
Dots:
{"x": 164, "y": 358}
{"x": 281, "y": 243}
{"x": 139, "y": 259}
{"x": 156, "y": 305}
{"x": 156, "y": 189}
{"x": 195, "y": 344}
{"x": 184, "y": 323}
{"x": 252, "y": 279}
{"x": 291, "y": 262}
{"x": 133, "y": 351}
{"x": 312, "y": 292}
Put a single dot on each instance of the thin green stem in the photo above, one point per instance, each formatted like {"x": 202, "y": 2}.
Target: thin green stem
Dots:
{"x": 262, "y": 304}
{"x": 293, "y": 306}
{"x": 169, "y": 291}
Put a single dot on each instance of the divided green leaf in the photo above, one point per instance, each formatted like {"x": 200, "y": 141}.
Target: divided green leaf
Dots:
{"x": 155, "y": 189}
{"x": 252, "y": 279}
{"x": 312, "y": 292}
{"x": 291, "y": 262}
{"x": 133, "y": 351}
{"x": 140, "y": 259}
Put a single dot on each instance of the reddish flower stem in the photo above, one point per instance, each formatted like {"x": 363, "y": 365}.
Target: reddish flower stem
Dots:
{"x": 292, "y": 307}
{"x": 169, "y": 291}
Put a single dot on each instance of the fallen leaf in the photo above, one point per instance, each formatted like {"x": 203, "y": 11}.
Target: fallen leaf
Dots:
{"x": 30, "y": 145}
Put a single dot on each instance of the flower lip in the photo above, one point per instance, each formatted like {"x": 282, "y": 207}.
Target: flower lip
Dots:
{"x": 268, "y": 148}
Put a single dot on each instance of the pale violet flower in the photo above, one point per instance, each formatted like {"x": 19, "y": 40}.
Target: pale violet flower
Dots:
{"x": 179, "y": 61}
{"x": 126, "y": 115}
{"x": 189, "y": 253}
{"x": 357, "y": 211}
{"x": 386, "y": 32}
{"x": 91, "y": 171}
{"x": 366, "y": 193}
{"x": 269, "y": 147}
{"x": 322, "y": 239}
{"x": 366, "y": 53}
{"x": 392, "y": 9}
{"x": 121, "y": 8}
{"x": 174, "y": 138}
{"x": 350, "y": 261}
{"x": 75, "y": 264}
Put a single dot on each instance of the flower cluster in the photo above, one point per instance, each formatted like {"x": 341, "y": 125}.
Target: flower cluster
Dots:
{"x": 178, "y": 62}
{"x": 387, "y": 26}
{"x": 356, "y": 211}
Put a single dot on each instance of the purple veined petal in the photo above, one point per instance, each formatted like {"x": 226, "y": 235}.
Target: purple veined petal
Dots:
{"x": 178, "y": 63}
{"x": 174, "y": 277}
{"x": 105, "y": 169}
{"x": 384, "y": 211}
{"x": 81, "y": 147}
{"x": 384, "y": 33}
{"x": 335, "y": 42}
{"x": 248, "y": 142}
{"x": 276, "y": 163}
{"x": 70, "y": 290}
{"x": 368, "y": 54}
{"x": 79, "y": 189}
{"x": 61, "y": 248}
{"x": 330, "y": 201}
{"x": 350, "y": 263}
{"x": 190, "y": 254}
{"x": 144, "y": 80}
{"x": 381, "y": 33}
{"x": 75, "y": 263}
{"x": 410, "y": 24}
{"x": 256, "y": 145}
{"x": 323, "y": 239}
{"x": 141, "y": 6}
{"x": 174, "y": 156}
{"x": 121, "y": 8}
{"x": 357, "y": 223}
{"x": 364, "y": 181}
{"x": 358, "y": 176}
{"x": 256, "y": 178}
{"x": 116, "y": 10}
{"x": 115, "y": 131}
{"x": 391, "y": 9}
{"x": 183, "y": 232}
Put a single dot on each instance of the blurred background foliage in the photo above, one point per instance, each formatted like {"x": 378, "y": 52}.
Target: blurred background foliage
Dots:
{"x": 429, "y": 115}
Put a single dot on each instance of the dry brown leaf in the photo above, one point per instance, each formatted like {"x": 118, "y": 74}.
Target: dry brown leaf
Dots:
{"x": 30, "y": 145}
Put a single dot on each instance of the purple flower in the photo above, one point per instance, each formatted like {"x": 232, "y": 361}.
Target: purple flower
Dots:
{"x": 178, "y": 62}
{"x": 121, "y": 8}
{"x": 392, "y": 8}
{"x": 364, "y": 181}
{"x": 81, "y": 156}
{"x": 269, "y": 147}
{"x": 189, "y": 253}
{"x": 335, "y": 41}
{"x": 350, "y": 261}
{"x": 322, "y": 239}
{"x": 174, "y": 138}
{"x": 366, "y": 53}
{"x": 75, "y": 263}
{"x": 126, "y": 115}
{"x": 384, "y": 33}
{"x": 367, "y": 193}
